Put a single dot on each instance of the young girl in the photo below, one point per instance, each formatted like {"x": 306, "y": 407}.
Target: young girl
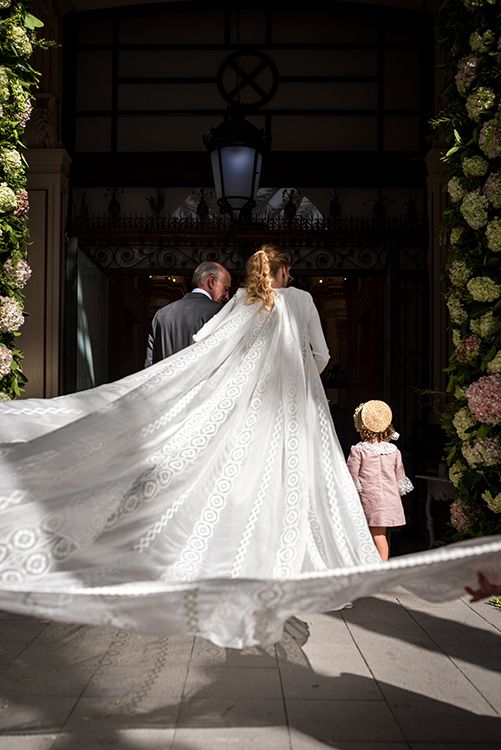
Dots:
{"x": 378, "y": 472}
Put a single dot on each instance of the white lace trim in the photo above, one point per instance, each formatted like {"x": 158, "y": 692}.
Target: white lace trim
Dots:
{"x": 382, "y": 449}
{"x": 405, "y": 485}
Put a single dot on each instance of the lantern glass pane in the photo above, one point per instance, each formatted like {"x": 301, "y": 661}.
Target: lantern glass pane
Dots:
{"x": 214, "y": 158}
{"x": 240, "y": 183}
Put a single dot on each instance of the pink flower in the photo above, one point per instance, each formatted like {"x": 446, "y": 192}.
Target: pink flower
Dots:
{"x": 466, "y": 71}
{"x": 18, "y": 272}
{"x": 26, "y": 113}
{"x": 5, "y": 360}
{"x": 23, "y": 204}
{"x": 460, "y": 517}
{"x": 484, "y": 399}
{"x": 468, "y": 350}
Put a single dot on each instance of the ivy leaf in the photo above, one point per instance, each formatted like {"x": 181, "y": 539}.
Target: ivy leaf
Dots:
{"x": 31, "y": 22}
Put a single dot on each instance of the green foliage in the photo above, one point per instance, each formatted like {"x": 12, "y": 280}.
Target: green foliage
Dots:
{"x": 18, "y": 82}
{"x": 470, "y": 123}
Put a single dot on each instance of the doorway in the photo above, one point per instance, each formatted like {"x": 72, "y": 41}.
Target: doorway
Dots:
{"x": 351, "y": 310}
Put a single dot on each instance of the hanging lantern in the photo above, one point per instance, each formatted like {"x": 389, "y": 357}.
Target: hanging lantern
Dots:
{"x": 236, "y": 150}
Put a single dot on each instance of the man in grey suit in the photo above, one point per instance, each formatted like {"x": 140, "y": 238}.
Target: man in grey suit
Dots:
{"x": 174, "y": 325}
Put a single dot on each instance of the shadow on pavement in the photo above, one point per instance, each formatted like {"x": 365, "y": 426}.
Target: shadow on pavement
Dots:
{"x": 140, "y": 684}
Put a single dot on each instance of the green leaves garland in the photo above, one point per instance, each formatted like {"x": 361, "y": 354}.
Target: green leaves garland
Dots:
{"x": 18, "y": 82}
{"x": 471, "y": 123}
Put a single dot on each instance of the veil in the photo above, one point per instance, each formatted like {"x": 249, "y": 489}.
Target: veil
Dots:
{"x": 206, "y": 494}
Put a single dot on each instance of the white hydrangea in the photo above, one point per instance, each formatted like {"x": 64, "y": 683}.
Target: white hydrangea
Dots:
{"x": 494, "y": 366}
{"x": 456, "y": 189}
{"x": 463, "y": 420}
{"x": 456, "y": 337}
{"x": 493, "y": 235}
{"x": 456, "y": 472}
{"x": 482, "y": 42}
{"x": 479, "y": 102}
{"x": 4, "y": 84}
{"x": 8, "y": 200}
{"x": 455, "y": 235}
{"x": 457, "y": 313}
{"x": 494, "y": 502}
{"x": 474, "y": 208}
{"x": 474, "y": 166}
{"x": 485, "y": 326}
{"x": 459, "y": 273}
{"x": 11, "y": 315}
{"x": 20, "y": 41}
{"x": 12, "y": 162}
{"x": 483, "y": 289}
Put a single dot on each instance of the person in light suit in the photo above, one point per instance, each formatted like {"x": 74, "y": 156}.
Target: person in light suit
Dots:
{"x": 174, "y": 325}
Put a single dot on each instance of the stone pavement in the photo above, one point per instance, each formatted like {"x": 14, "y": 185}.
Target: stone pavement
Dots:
{"x": 393, "y": 672}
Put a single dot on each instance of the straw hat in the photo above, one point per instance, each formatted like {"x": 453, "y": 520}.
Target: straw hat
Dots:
{"x": 375, "y": 416}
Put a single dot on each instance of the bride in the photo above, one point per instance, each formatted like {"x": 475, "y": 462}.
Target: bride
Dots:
{"x": 206, "y": 494}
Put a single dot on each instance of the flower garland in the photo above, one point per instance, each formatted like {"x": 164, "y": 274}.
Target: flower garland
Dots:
{"x": 18, "y": 82}
{"x": 471, "y": 122}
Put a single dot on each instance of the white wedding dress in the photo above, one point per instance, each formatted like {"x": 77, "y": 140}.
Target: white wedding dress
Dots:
{"x": 207, "y": 494}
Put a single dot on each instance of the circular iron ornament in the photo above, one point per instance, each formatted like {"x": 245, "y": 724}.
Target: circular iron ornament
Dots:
{"x": 254, "y": 78}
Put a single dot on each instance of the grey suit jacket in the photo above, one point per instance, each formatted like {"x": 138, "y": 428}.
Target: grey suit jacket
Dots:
{"x": 173, "y": 326}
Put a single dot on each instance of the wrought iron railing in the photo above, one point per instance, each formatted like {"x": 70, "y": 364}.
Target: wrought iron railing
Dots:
{"x": 266, "y": 222}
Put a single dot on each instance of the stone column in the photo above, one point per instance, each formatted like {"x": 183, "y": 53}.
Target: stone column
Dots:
{"x": 41, "y": 333}
{"x": 47, "y": 186}
{"x": 436, "y": 264}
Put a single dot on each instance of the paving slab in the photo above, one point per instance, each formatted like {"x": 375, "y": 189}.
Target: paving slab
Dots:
{"x": 471, "y": 643}
{"x": 126, "y": 683}
{"x": 230, "y": 738}
{"x": 431, "y": 721}
{"x": 27, "y": 741}
{"x": 304, "y": 742}
{"x": 204, "y": 713}
{"x": 125, "y": 739}
{"x": 394, "y": 672}
{"x": 24, "y": 679}
{"x": 236, "y": 683}
{"x": 344, "y": 720}
{"x": 10, "y": 650}
{"x": 401, "y": 654}
{"x": 486, "y": 611}
{"x": 91, "y": 715}
{"x": 205, "y": 652}
{"x": 34, "y": 713}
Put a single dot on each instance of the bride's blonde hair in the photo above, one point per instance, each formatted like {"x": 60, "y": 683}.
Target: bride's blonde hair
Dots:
{"x": 262, "y": 267}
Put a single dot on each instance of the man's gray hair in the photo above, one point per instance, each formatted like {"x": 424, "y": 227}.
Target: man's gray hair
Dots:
{"x": 203, "y": 271}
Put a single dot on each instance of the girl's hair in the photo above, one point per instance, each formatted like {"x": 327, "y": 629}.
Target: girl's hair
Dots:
{"x": 376, "y": 437}
{"x": 262, "y": 268}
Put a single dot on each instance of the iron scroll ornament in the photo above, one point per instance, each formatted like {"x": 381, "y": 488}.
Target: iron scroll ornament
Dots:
{"x": 253, "y": 74}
